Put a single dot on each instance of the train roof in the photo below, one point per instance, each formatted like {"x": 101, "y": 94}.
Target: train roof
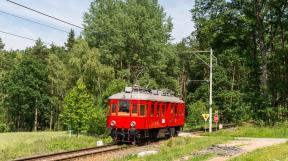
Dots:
{"x": 151, "y": 95}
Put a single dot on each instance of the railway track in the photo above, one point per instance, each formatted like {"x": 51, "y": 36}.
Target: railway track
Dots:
{"x": 68, "y": 155}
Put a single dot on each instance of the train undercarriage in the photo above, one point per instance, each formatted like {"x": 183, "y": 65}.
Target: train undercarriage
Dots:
{"x": 142, "y": 136}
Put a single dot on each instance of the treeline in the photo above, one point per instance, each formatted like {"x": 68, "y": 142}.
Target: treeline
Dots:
{"x": 129, "y": 42}
{"x": 249, "y": 38}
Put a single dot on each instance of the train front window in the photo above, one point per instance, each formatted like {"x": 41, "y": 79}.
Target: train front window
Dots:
{"x": 124, "y": 108}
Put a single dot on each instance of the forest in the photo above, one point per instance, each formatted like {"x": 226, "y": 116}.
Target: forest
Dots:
{"x": 128, "y": 42}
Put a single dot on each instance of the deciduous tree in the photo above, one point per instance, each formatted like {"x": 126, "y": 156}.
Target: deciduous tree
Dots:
{"x": 77, "y": 109}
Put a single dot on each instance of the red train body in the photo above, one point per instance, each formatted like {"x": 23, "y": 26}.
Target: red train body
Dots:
{"x": 137, "y": 115}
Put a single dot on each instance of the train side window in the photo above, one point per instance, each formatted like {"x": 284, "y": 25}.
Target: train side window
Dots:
{"x": 134, "y": 110}
{"x": 152, "y": 109}
{"x": 113, "y": 109}
{"x": 172, "y": 112}
{"x": 175, "y": 109}
{"x": 163, "y": 109}
{"x": 158, "y": 110}
{"x": 142, "y": 110}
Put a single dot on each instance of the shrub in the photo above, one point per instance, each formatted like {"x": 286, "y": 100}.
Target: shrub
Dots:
{"x": 195, "y": 112}
{"x": 3, "y": 127}
{"x": 97, "y": 124}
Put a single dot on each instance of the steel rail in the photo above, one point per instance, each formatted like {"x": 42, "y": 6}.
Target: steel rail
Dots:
{"x": 65, "y": 155}
{"x": 72, "y": 154}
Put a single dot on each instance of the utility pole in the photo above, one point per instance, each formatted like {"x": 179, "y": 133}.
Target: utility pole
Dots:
{"x": 210, "y": 91}
{"x": 210, "y": 65}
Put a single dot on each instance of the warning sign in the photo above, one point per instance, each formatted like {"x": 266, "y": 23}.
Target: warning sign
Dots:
{"x": 205, "y": 116}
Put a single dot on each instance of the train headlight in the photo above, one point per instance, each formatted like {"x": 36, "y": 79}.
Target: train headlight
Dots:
{"x": 133, "y": 124}
{"x": 113, "y": 123}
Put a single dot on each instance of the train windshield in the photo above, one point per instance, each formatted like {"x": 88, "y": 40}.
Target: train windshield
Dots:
{"x": 124, "y": 107}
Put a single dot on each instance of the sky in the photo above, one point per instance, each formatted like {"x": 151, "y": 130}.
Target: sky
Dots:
{"x": 71, "y": 11}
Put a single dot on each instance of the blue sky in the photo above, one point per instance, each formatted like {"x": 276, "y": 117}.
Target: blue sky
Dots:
{"x": 72, "y": 11}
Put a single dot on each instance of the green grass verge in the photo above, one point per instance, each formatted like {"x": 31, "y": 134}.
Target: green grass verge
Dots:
{"x": 178, "y": 147}
{"x": 202, "y": 157}
{"x": 190, "y": 128}
{"x": 253, "y": 131}
{"x": 22, "y": 144}
{"x": 272, "y": 153}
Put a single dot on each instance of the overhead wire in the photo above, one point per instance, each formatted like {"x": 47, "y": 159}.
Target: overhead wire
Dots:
{"x": 51, "y": 27}
{"x": 42, "y": 13}
{"x": 23, "y": 37}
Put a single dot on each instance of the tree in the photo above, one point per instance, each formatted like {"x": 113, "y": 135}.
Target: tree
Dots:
{"x": 77, "y": 109}
{"x": 246, "y": 36}
{"x": 2, "y": 45}
{"x": 133, "y": 37}
{"x": 70, "y": 41}
{"x": 58, "y": 79}
{"x": 26, "y": 94}
{"x": 84, "y": 63}
{"x": 39, "y": 51}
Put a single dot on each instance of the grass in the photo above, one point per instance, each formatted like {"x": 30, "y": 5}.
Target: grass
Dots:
{"x": 272, "y": 153}
{"x": 22, "y": 144}
{"x": 178, "y": 147}
{"x": 196, "y": 127}
{"x": 254, "y": 131}
{"x": 202, "y": 157}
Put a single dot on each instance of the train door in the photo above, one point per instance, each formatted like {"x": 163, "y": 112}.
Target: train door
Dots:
{"x": 181, "y": 114}
{"x": 153, "y": 115}
{"x": 142, "y": 113}
{"x": 133, "y": 108}
{"x": 148, "y": 115}
{"x": 172, "y": 114}
{"x": 162, "y": 114}
{"x": 167, "y": 114}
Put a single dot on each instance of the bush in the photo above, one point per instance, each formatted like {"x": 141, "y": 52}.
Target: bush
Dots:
{"x": 3, "y": 128}
{"x": 97, "y": 124}
{"x": 195, "y": 112}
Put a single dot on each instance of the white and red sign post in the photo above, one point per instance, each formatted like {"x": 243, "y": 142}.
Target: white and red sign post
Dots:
{"x": 216, "y": 118}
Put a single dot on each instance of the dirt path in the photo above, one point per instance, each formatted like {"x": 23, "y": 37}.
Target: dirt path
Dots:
{"x": 232, "y": 148}
{"x": 244, "y": 145}
{"x": 222, "y": 152}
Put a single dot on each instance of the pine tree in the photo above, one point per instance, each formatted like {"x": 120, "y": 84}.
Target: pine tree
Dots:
{"x": 70, "y": 41}
{"x": 2, "y": 45}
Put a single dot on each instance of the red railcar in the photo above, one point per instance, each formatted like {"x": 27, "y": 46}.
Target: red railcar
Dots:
{"x": 136, "y": 115}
